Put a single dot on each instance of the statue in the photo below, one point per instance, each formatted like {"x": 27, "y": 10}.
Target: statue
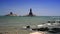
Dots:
{"x": 30, "y": 13}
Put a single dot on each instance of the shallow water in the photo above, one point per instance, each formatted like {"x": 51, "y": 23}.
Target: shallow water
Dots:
{"x": 18, "y": 22}
{"x": 21, "y": 21}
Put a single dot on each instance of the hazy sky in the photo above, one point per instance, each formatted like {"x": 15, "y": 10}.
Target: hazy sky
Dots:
{"x": 39, "y": 7}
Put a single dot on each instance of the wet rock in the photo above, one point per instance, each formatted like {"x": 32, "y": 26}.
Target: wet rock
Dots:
{"x": 54, "y": 30}
{"x": 41, "y": 29}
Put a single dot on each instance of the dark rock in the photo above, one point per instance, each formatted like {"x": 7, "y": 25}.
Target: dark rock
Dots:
{"x": 44, "y": 29}
{"x": 34, "y": 29}
{"x": 41, "y": 29}
{"x": 51, "y": 21}
{"x": 27, "y": 26}
{"x": 54, "y": 30}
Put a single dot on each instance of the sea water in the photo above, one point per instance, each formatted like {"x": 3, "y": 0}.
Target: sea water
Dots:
{"x": 24, "y": 20}
{"x": 18, "y": 21}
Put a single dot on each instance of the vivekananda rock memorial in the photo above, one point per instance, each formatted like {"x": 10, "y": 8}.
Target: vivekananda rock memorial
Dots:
{"x": 11, "y": 14}
{"x": 30, "y": 14}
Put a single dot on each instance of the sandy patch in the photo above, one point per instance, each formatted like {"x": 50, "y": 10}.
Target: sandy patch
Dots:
{"x": 38, "y": 33}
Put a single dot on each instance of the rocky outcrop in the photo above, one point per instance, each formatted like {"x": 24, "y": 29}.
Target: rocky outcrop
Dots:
{"x": 11, "y": 14}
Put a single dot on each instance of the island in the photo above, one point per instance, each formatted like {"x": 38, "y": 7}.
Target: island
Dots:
{"x": 11, "y": 14}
